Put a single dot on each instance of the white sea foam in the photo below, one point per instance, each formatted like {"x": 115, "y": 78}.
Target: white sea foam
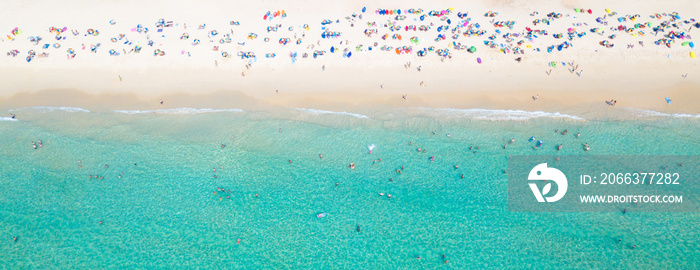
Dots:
{"x": 683, "y": 115}
{"x": 319, "y": 112}
{"x": 8, "y": 119}
{"x": 178, "y": 111}
{"x": 501, "y": 115}
{"x": 647, "y": 113}
{"x": 650, "y": 113}
{"x": 45, "y": 109}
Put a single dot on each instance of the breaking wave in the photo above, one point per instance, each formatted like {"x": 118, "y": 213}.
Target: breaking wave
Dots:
{"x": 178, "y": 111}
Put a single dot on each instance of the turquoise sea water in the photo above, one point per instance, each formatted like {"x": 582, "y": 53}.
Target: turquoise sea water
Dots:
{"x": 166, "y": 212}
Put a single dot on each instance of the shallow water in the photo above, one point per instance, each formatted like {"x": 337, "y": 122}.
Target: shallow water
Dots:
{"x": 165, "y": 210}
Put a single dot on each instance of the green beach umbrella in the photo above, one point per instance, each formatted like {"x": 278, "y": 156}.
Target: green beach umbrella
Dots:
{"x": 472, "y": 49}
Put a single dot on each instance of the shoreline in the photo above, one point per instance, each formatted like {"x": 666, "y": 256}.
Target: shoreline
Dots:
{"x": 380, "y": 107}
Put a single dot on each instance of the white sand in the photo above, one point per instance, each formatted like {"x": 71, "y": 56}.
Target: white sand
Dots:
{"x": 640, "y": 77}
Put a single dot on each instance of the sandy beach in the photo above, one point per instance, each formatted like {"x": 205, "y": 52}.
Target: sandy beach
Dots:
{"x": 639, "y": 76}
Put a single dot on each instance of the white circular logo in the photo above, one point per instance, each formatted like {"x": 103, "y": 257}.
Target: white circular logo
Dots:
{"x": 541, "y": 172}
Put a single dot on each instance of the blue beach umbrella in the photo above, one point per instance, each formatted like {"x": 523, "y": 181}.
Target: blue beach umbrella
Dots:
{"x": 333, "y": 49}
{"x": 364, "y": 9}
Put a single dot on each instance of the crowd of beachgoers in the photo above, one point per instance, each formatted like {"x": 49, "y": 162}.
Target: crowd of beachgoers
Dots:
{"x": 414, "y": 32}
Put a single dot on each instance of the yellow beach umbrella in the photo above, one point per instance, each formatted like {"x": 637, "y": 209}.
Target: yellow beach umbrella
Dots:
{"x": 692, "y": 54}
{"x": 607, "y": 10}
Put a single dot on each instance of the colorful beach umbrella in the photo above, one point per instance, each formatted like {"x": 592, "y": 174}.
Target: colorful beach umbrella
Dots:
{"x": 478, "y": 60}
